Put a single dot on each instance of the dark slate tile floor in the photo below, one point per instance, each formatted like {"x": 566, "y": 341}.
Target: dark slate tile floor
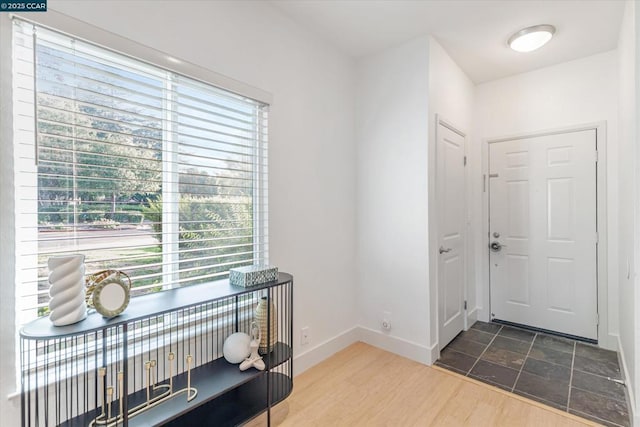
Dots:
{"x": 569, "y": 375}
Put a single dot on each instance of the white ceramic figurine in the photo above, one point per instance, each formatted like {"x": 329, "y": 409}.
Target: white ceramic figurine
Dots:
{"x": 254, "y": 359}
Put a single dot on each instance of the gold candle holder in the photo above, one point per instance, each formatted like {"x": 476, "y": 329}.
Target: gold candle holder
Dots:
{"x": 147, "y": 368}
{"x": 189, "y": 359}
{"x": 102, "y": 372}
{"x": 109, "y": 398}
{"x": 171, "y": 357}
{"x": 154, "y": 395}
{"x": 153, "y": 364}
{"x": 121, "y": 393}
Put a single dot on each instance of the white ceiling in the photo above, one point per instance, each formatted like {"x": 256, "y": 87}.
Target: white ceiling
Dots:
{"x": 474, "y": 32}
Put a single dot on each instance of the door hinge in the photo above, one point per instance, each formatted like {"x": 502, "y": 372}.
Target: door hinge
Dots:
{"x": 465, "y": 161}
{"x": 465, "y": 305}
{"x": 597, "y": 157}
{"x": 597, "y": 238}
{"x": 597, "y": 319}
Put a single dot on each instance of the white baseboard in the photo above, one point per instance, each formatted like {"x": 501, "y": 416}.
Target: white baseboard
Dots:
{"x": 320, "y": 352}
{"x": 399, "y": 346}
{"x": 482, "y": 314}
{"x": 434, "y": 350}
{"x": 472, "y": 317}
{"x": 635, "y": 417}
{"x": 610, "y": 342}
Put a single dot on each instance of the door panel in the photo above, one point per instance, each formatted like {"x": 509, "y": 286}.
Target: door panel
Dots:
{"x": 517, "y": 267}
{"x": 518, "y": 199}
{"x": 450, "y": 196}
{"x": 542, "y": 201}
{"x": 452, "y": 274}
{"x": 561, "y": 283}
{"x": 560, "y": 194}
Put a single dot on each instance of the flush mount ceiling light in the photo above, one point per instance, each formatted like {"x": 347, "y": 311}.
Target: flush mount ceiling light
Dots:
{"x": 531, "y": 38}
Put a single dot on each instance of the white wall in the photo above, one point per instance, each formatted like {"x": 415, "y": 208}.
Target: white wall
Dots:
{"x": 311, "y": 134}
{"x": 628, "y": 176}
{"x": 634, "y": 11}
{"x": 573, "y": 93}
{"x": 451, "y": 95}
{"x": 400, "y": 91}
{"x": 392, "y": 245}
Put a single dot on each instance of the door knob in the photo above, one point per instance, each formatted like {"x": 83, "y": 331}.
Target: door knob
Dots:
{"x": 443, "y": 250}
{"x": 496, "y": 246}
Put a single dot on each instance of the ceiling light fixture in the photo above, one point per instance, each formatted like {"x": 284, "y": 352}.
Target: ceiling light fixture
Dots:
{"x": 531, "y": 38}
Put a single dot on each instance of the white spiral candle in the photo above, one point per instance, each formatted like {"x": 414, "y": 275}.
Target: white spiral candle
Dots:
{"x": 66, "y": 277}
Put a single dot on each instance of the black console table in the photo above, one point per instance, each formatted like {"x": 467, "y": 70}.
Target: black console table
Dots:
{"x": 133, "y": 370}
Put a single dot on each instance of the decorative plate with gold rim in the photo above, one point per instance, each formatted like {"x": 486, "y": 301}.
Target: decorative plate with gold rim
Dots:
{"x": 110, "y": 292}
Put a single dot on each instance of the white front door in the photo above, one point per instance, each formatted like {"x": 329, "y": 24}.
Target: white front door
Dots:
{"x": 542, "y": 223}
{"x": 450, "y": 197}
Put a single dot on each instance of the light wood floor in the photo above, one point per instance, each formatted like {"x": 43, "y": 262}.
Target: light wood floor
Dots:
{"x": 365, "y": 386}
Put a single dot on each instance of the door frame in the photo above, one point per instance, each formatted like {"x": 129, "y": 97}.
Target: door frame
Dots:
{"x": 604, "y": 339}
{"x": 436, "y": 229}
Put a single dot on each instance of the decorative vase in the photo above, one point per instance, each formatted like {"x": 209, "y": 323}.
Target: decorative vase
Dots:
{"x": 66, "y": 279}
{"x": 268, "y": 340}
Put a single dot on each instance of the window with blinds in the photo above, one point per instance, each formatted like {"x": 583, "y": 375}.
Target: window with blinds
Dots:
{"x": 138, "y": 168}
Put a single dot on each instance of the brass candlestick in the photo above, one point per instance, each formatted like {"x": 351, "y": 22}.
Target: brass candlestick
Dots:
{"x": 147, "y": 368}
{"x": 171, "y": 357}
{"x": 102, "y": 372}
{"x": 189, "y": 359}
{"x": 153, "y": 365}
{"x": 109, "y": 397}
{"x": 121, "y": 392}
{"x": 156, "y": 394}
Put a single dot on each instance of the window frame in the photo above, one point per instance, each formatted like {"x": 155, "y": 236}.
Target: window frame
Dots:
{"x": 95, "y": 35}
{"x": 72, "y": 27}
{"x": 111, "y": 42}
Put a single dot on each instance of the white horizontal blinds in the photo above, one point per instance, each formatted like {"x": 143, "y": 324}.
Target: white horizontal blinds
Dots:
{"x": 217, "y": 167}
{"x": 26, "y": 179}
{"x": 138, "y": 168}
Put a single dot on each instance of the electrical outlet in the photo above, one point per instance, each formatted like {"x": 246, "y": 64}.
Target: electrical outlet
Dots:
{"x": 386, "y": 320}
{"x": 305, "y": 336}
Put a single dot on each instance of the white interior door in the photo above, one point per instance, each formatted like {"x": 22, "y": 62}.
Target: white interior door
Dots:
{"x": 450, "y": 179}
{"x": 542, "y": 205}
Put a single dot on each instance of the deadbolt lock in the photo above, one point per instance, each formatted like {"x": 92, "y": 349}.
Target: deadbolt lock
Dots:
{"x": 495, "y": 246}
